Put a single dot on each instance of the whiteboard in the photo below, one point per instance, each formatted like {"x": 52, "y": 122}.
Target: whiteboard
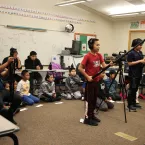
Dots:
{"x": 45, "y": 44}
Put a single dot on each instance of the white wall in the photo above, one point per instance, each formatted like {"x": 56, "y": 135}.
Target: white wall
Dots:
{"x": 102, "y": 28}
{"x": 121, "y": 34}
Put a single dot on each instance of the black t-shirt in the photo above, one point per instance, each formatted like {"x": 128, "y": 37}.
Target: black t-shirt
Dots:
{"x": 135, "y": 70}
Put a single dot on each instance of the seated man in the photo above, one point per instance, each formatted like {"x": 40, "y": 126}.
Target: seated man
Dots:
{"x": 17, "y": 62}
{"x": 103, "y": 102}
{"x": 113, "y": 89}
{"x": 32, "y": 62}
{"x": 6, "y": 97}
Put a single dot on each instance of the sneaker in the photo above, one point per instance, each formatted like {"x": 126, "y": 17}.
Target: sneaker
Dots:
{"x": 138, "y": 106}
{"x": 90, "y": 122}
{"x": 132, "y": 108}
{"x": 96, "y": 119}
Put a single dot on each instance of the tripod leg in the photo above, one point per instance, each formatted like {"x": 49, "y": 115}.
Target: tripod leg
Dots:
{"x": 114, "y": 78}
{"x": 99, "y": 106}
{"x": 123, "y": 89}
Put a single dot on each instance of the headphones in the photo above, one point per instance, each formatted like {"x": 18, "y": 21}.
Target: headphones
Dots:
{"x": 12, "y": 51}
{"x": 91, "y": 42}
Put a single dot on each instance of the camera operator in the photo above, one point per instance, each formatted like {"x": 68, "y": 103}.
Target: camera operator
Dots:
{"x": 136, "y": 63}
{"x": 5, "y": 94}
{"x": 17, "y": 63}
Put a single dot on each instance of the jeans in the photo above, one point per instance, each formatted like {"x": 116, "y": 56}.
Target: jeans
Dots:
{"x": 115, "y": 96}
{"x": 30, "y": 100}
{"x": 104, "y": 105}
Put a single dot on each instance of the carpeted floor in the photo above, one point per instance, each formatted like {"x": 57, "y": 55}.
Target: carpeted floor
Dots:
{"x": 59, "y": 125}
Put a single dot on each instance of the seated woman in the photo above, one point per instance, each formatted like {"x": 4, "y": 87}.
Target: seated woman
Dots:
{"x": 47, "y": 90}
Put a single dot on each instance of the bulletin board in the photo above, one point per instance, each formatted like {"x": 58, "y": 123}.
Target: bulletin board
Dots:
{"x": 84, "y": 38}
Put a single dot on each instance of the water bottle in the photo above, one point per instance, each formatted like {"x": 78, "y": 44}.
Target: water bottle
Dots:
{"x": 50, "y": 66}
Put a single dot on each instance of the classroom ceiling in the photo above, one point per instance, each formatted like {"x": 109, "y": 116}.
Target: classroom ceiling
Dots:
{"x": 113, "y": 7}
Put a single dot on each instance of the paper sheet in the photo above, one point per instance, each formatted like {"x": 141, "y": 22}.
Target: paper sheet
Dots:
{"x": 59, "y": 103}
{"x": 40, "y": 105}
{"x": 24, "y": 109}
{"x": 119, "y": 102}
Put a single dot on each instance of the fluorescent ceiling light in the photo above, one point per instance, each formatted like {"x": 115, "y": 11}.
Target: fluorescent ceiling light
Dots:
{"x": 126, "y": 9}
{"x": 70, "y": 2}
{"x": 128, "y": 14}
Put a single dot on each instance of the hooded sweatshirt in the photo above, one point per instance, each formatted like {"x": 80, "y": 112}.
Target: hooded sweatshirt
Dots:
{"x": 72, "y": 83}
{"x": 31, "y": 64}
{"x": 113, "y": 88}
{"x": 47, "y": 88}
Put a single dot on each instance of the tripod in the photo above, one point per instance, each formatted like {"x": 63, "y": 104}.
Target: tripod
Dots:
{"x": 12, "y": 78}
{"x": 122, "y": 86}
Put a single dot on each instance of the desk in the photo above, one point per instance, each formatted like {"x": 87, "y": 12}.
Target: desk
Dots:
{"x": 44, "y": 70}
{"x": 43, "y": 73}
{"x": 7, "y": 129}
{"x": 34, "y": 70}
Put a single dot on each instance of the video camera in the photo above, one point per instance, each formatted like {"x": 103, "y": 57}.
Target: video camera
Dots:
{"x": 117, "y": 56}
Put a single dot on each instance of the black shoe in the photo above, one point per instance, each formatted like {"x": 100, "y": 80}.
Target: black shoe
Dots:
{"x": 13, "y": 121}
{"x": 17, "y": 111}
{"x": 90, "y": 122}
{"x": 132, "y": 108}
{"x": 138, "y": 106}
{"x": 96, "y": 119}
